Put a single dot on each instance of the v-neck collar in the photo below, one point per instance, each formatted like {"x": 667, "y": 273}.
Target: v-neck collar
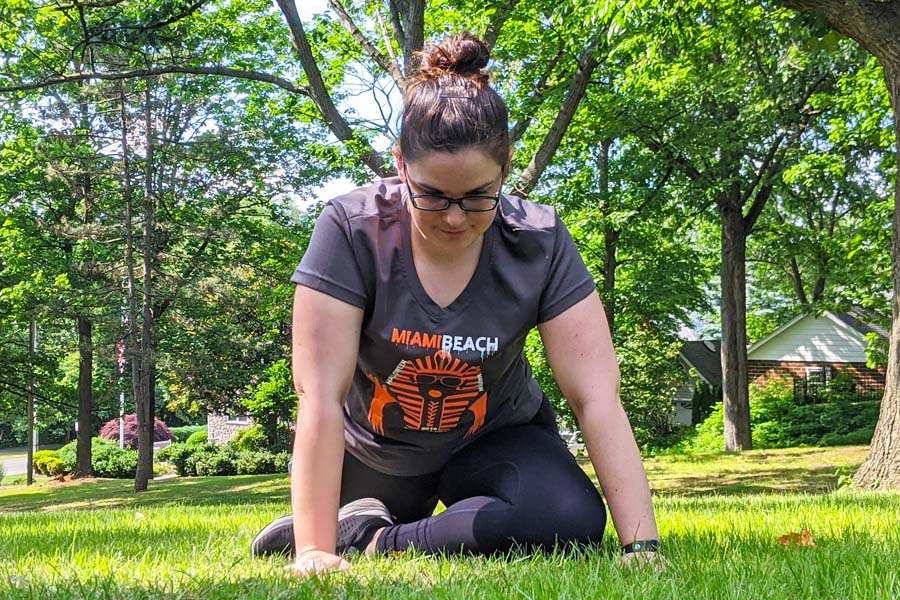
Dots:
{"x": 415, "y": 284}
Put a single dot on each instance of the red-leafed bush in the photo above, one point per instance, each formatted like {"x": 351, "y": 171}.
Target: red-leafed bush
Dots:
{"x": 110, "y": 431}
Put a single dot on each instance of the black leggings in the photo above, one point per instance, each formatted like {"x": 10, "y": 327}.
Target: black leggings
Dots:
{"x": 514, "y": 486}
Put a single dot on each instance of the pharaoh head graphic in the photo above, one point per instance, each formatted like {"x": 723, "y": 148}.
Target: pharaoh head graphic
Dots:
{"x": 432, "y": 392}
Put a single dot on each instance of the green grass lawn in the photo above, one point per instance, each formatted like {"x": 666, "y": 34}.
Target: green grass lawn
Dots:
{"x": 720, "y": 517}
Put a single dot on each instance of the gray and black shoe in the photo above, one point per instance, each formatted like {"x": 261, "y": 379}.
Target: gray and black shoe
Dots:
{"x": 276, "y": 538}
{"x": 357, "y": 523}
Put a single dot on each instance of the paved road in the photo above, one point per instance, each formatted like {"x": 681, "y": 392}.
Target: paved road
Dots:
{"x": 14, "y": 466}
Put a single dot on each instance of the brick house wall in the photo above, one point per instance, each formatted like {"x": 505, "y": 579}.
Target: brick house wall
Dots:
{"x": 760, "y": 371}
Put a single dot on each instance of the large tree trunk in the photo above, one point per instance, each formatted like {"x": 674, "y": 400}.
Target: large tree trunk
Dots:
{"x": 882, "y": 466}
{"x": 83, "y": 466}
{"x": 874, "y": 25}
{"x": 735, "y": 395}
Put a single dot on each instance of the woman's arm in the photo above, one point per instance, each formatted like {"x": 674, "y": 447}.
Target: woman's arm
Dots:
{"x": 580, "y": 352}
{"x": 325, "y": 342}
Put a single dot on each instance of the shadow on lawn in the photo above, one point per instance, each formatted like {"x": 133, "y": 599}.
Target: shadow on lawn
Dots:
{"x": 109, "y": 493}
{"x": 776, "y": 481}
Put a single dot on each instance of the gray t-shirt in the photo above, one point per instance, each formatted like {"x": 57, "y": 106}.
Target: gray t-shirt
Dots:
{"x": 429, "y": 380}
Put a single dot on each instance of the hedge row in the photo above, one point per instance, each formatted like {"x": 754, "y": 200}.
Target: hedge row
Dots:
{"x": 209, "y": 459}
{"x": 107, "y": 460}
{"x": 183, "y": 433}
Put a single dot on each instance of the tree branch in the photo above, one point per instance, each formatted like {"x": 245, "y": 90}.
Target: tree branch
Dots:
{"x": 499, "y": 18}
{"x": 143, "y": 73}
{"x": 535, "y": 98}
{"x": 551, "y": 142}
{"x": 396, "y": 25}
{"x": 383, "y": 61}
{"x": 395, "y": 65}
{"x": 319, "y": 93}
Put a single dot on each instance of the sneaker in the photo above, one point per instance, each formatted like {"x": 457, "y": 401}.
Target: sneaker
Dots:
{"x": 276, "y": 538}
{"x": 357, "y": 523}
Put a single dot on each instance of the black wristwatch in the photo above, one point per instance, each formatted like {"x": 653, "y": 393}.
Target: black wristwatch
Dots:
{"x": 641, "y": 546}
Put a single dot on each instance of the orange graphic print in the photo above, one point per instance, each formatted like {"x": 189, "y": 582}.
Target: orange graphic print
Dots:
{"x": 433, "y": 392}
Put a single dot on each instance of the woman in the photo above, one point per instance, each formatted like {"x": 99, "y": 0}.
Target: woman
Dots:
{"x": 413, "y": 302}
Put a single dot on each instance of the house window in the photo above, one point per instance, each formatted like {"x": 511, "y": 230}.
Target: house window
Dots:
{"x": 237, "y": 419}
{"x": 817, "y": 379}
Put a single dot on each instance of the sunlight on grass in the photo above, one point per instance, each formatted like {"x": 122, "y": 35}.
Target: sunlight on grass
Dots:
{"x": 189, "y": 538}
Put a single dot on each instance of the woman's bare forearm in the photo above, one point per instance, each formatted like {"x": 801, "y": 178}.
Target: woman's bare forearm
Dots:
{"x": 620, "y": 471}
{"x": 316, "y": 475}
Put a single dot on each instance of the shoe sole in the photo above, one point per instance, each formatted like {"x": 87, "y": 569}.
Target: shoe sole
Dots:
{"x": 282, "y": 531}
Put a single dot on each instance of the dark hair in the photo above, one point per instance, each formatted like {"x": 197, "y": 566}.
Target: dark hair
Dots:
{"x": 449, "y": 105}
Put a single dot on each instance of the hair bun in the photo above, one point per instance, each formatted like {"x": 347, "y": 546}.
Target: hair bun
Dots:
{"x": 462, "y": 54}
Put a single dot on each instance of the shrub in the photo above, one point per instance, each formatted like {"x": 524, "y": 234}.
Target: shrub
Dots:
{"x": 220, "y": 461}
{"x": 778, "y": 420}
{"x": 2, "y": 472}
{"x": 181, "y": 456}
{"x": 162, "y": 469}
{"x": 281, "y": 462}
{"x": 252, "y": 439}
{"x": 208, "y": 459}
{"x": 53, "y": 466}
{"x": 107, "y": 459}
{"x": 198, "y": 438}
{"x": 110, "y": 431}
{"x": 42, "y": 459}
{"x": 710, "y": 434}
{"x": 183, "y": 433}
{"x": 255, "y": 463}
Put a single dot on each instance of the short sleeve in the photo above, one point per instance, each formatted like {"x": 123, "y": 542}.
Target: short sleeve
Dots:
{"x": 568, "y": 280}
{"x": 330, "y": 264}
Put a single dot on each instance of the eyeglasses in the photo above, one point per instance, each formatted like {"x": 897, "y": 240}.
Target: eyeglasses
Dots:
{"x": 445, "y": 380}
{"x": 436, "y": 202}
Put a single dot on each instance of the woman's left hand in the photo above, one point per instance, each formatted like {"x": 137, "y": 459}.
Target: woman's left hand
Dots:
{"x": 639, "y": 559}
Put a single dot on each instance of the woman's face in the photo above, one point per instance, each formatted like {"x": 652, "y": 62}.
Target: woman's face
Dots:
{"x": 456, "y": 175}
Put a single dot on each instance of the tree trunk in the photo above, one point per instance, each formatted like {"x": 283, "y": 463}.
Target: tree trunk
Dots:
{"x": 874, "y": 25}
{"x": 735, "y": 394}
{"x": 881, "y": 468}
{"x": 83, "y": 467}
{"x": 610, "y": 238}
{"x": 144, "y": 362}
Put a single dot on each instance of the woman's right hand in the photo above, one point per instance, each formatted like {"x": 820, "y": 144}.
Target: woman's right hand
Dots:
{"x": 316, "y": 562}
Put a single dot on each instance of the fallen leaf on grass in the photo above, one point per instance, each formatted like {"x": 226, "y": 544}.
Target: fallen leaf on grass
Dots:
{"x": 804, "y": 538}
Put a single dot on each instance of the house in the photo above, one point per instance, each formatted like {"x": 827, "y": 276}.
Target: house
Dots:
{"x": 702, "y": 361}
{"x": 222, "y": 427}
{"x": 809, "y": 349}
{"x": 812, "y": 349}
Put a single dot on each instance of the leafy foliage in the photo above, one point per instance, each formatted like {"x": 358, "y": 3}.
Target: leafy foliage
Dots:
{"x": 110, "y": 431}
{"x": 107, "y": 459}
{"x": 47, "y": 462}
{"x": 782, "y": 421}
{"x": 251, "y": 439}
{"x": 273, "y": 405}
{"x": 208, "y": 459}
{"x": 184, "y": 432}
{"x": 198, "y": 438}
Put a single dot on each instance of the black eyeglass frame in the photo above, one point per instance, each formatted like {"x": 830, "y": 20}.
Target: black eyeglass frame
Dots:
{"x": 448, "y": 201}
